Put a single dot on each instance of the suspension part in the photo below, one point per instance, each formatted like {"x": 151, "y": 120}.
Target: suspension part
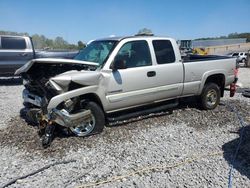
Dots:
{"x": 48, "y": 135}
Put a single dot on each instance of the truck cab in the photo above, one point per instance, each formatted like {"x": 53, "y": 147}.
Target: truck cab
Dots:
{"x": 142, "y": 80}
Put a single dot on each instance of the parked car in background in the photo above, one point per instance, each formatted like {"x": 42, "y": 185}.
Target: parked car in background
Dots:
{"x": 241, "y": 57}
{"x": 15, "y": 51}
{"x": 233, "y": 54}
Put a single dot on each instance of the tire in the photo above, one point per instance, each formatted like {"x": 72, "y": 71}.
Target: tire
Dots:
{"x": 246, "y": 93}
{"x": 96, "y": 123}
{"x": 210, "y": 96}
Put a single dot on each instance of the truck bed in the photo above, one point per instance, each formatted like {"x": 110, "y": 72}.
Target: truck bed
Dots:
{"x": 198, "y": 68}
{"x": 194, "y": 58}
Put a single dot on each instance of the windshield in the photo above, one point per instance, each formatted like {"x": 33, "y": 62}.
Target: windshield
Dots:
{"x": 96, "y": 51}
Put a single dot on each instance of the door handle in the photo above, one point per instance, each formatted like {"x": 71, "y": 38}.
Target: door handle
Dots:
{"x": 151, "y": 73}
{"x": 23, "y": 54}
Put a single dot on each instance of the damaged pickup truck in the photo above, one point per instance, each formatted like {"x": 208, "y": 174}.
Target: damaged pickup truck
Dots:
{"x": 116, "y": 74}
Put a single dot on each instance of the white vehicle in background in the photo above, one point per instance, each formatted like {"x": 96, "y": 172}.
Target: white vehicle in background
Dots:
{"x": 241, "y": 57}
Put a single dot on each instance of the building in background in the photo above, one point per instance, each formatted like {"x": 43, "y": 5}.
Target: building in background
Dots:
{"x": 222, "y": 46}
{"x": 215, "y": 46}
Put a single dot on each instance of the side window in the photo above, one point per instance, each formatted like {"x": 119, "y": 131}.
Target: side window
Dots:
{"x": 13, "y": 43}
{"x": 164, "y": 51}
{"x": 135, "y": 54}
{"x": 241, "y": 53}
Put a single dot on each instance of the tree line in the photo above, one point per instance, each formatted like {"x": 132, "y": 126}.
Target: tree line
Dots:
{"x": 42, "y": 42}
{"x": 230, "y": 36}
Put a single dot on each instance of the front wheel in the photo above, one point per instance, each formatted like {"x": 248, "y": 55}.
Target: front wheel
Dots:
{"x": 94, "y": 124}
{"x": 210, "y": 96}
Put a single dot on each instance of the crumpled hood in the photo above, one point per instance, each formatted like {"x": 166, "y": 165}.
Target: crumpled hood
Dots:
{"x": 79, "y": 77}
{"x": 29, "y": 64}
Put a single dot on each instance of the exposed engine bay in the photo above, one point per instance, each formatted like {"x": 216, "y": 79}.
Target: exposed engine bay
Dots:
{"x": 45, "y": 80}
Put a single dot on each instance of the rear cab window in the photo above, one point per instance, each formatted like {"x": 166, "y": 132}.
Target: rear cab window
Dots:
{"x": 164, "y": 51}
{"x": 13, "y": 43}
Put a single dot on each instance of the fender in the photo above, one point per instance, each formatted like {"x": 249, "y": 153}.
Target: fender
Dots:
{"x": 210, "y": 73}
{"x": 55, "y": 101}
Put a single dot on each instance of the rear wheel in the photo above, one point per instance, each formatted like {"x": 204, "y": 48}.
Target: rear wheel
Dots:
{"x": 210, "y": 96}
{"x": 94, "y": 124}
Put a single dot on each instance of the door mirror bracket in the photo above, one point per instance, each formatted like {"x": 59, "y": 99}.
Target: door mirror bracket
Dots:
{"x": 118, "y": 64}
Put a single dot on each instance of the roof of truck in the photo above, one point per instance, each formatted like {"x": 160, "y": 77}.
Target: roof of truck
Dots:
{"x": 14, "y": 36}
{"x": 125, "y": 37}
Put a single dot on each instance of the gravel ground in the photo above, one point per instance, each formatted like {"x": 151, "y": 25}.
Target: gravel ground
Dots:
{"x": 162, "y": 139}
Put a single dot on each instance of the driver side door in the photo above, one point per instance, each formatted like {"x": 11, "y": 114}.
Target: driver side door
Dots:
{"x": 131, "y": 85}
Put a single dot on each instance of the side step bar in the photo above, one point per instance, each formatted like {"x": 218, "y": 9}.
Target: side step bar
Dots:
{"x": 143, "y": 112}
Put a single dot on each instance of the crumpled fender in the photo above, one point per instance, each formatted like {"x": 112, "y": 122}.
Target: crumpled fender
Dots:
{"x": 56, "y": 100}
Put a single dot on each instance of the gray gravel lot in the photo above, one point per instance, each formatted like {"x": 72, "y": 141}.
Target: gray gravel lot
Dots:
{"x": 160, "y": 139}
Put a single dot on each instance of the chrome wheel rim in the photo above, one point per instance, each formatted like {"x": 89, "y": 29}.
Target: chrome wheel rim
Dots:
{"x": 85, "y": 127}
{"x": 211, "y": 98}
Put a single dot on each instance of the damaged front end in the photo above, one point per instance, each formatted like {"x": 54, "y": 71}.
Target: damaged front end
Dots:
{"x": 49, "y": 95}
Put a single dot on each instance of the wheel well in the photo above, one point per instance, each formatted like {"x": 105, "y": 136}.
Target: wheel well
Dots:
{"x": 218, "y": 79}
{"x": 93, "y": 97}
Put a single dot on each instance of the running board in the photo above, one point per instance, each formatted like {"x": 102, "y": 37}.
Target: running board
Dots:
{"x": 143, "y": 112}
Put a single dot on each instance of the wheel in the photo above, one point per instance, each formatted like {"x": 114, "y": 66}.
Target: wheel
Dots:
{"x": 94, "y": 125}
{"x": 210, "y": 96}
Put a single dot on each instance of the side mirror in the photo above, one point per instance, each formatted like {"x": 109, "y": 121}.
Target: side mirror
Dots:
{"x": 118, "y": 64}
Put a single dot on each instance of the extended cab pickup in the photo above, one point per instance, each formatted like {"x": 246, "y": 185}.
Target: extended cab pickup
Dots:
{"x": 15, "y": 51}
{"x": 116, "y": 74}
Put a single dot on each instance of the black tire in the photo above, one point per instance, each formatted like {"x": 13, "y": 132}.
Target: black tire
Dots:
{"x": 210, "y": 96}
{"x": 97, "y": 117}
{"x": 246, "y": 93}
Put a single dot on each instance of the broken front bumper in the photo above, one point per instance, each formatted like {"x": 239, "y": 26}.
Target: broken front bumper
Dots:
{"x": 61, "y": 117}
{"x": 31, "y": 98}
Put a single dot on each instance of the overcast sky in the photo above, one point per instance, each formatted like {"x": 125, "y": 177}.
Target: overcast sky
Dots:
{"x": 86, "y": 20}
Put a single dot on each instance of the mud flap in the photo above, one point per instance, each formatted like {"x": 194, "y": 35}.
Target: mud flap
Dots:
{"x": 232, "y": 89}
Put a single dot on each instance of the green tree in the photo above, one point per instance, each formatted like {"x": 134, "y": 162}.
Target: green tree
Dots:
{"x": 145, "y": 31}
{"x": 42, "y": 42}
{"x": 38, "y": 41}
{"x": 81, "y": 45}
{"x": 60, "y": 43}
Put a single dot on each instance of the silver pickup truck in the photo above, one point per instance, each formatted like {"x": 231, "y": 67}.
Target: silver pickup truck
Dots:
{"x": 116, "y": 74}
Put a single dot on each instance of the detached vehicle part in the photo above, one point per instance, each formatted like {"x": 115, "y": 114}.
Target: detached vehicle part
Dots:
{"x": 246, "y": 93}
